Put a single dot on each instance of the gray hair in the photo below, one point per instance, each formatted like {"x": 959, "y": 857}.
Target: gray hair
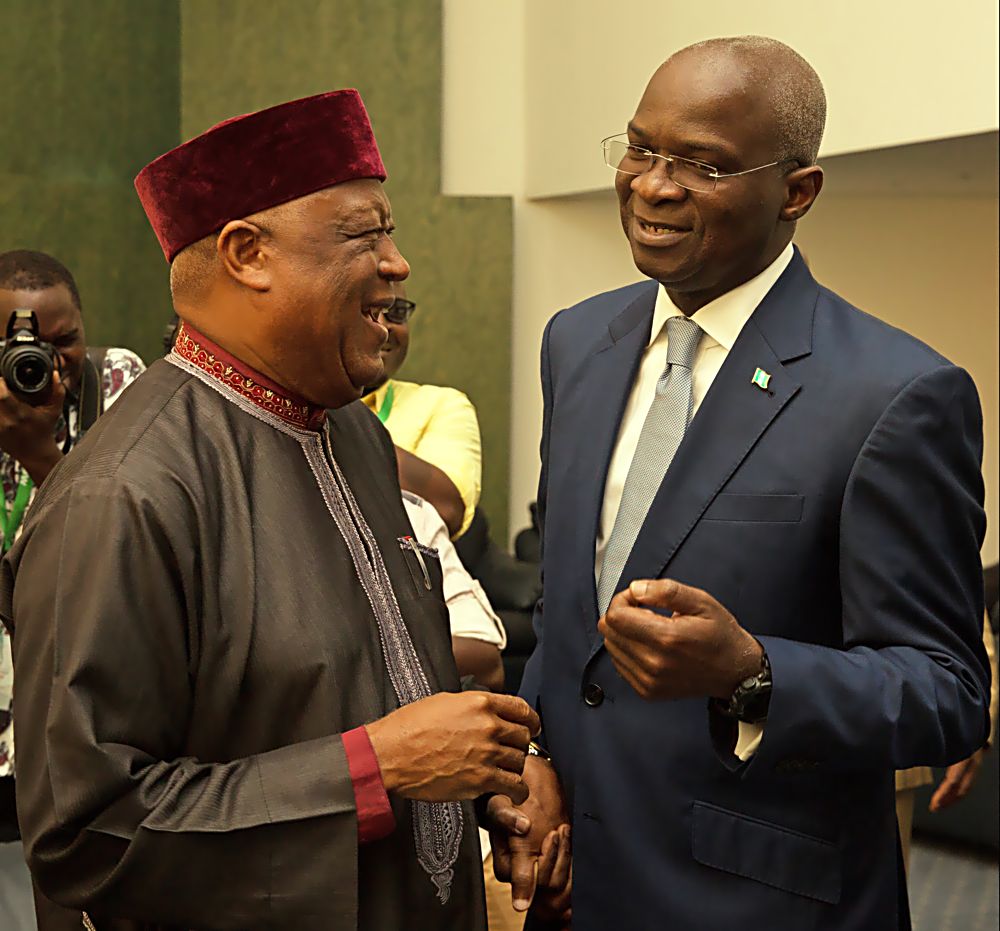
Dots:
{"x": 793, "y": 88}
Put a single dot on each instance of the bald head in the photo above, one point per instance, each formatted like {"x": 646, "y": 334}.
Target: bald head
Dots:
{"x": 752, "y": 110}
{"x": 780, "y": 79}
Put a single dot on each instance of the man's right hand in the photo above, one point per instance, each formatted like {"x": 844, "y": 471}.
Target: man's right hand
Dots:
{"x": 27, "y": 430}
{"x": 455, "y": 746}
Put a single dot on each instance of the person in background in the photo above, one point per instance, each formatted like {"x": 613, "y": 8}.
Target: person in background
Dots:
{"x": 435, "y": 429}
{"x": 477, "y": 634}
{"x": 959, "y": 777}
{"x": 33, "y": 439}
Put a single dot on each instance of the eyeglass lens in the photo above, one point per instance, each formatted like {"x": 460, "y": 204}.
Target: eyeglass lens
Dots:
{"x": 400, "y": 312}
{"x": 633, "y": 160}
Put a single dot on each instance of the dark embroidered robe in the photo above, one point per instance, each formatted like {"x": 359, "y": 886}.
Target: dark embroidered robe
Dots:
{"x": 190, "y": 638}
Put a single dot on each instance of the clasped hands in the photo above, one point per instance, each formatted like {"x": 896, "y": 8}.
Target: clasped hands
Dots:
{"x": 447, "y": 747}
{"x": 700, "y": 650}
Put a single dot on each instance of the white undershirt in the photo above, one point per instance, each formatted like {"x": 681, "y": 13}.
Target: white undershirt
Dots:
{"x": 721, "y": 321}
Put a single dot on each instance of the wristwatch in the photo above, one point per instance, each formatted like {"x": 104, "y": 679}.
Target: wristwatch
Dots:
{"x": 751, "y": 699}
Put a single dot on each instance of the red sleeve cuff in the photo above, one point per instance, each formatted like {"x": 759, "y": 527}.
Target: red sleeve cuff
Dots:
{"x": 375, "y": 818}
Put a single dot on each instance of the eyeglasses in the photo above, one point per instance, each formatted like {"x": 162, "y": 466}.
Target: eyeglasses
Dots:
{"x": 629, "y": 159}
{"x": 400, "y": 312}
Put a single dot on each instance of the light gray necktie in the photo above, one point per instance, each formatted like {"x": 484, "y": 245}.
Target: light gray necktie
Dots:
{"x": 662, "y": 432}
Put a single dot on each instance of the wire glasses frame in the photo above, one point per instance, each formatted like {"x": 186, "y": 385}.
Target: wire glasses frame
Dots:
{"x": 630, "y": 159}
{"x": 400, "y": 312}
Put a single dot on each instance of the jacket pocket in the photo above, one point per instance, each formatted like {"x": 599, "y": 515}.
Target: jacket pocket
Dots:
{"x": 424, "y": 563}
{"x": 765, "y": 852}
{"x": 778, "y": 509}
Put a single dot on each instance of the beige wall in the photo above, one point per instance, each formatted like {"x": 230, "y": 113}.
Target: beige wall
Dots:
{"x": 906, "y": 231}
{"x": 539, "y": 83}
{"x": 565, "y": 250}
{"x": 482, "y": 105}
{"x": 895, "y": 71}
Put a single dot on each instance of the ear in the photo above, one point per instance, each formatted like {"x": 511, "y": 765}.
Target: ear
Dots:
{"x": 802, "y": 188}
{"x": 246, "y": 254}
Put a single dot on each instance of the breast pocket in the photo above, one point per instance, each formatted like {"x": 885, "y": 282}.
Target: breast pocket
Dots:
{"x": 424, "y": 565}
{"x": 426, "y": 593}
{"x": 773, "y": 509}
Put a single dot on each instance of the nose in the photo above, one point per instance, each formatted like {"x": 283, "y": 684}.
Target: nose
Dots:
{"x": 655, "y": 185}
{"x": 391, "y": 264}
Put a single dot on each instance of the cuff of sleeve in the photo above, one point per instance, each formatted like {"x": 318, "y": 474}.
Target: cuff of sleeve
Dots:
{"x": 375, "y": 817}
{"x": 748, "y": 738}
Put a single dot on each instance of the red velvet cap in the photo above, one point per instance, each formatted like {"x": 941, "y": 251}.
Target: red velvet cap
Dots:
{"x": 249, "y": 163}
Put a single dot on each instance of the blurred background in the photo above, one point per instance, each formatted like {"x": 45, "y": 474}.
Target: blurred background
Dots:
{"x": 489, "y": 117}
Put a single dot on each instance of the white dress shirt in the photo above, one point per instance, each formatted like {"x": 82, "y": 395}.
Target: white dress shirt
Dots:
{"x": 470, "y": 613}
{"x": 721, "y": 321}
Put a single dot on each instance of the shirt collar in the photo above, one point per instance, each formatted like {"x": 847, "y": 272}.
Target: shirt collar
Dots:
{"x": 250, "y": 384}
{"x": 724, "y": 318}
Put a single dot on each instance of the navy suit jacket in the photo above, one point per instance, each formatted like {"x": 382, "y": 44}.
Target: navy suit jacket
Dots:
{"x": 839, "y": 516}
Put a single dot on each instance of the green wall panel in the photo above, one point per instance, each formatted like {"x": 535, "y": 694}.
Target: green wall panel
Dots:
{"x": 91, "y": 92}
{"x": 94, "y": 89}
{"x": 240, "y": 57}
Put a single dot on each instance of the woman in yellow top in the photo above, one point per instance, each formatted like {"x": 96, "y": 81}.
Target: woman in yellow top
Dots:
{"x": 435, "y": 429}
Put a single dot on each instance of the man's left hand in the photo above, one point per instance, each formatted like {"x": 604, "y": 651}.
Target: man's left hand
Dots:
{"x": 699, "y": 651}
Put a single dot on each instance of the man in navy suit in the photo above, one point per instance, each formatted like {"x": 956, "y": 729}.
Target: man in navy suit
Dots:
{"x": 761, "y": 513}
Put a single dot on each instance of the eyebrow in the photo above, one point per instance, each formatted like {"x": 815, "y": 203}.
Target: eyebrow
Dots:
{"x": 636, "y": 130}
{"x": 359, "y": 215}
{"x": 712, "y": 149}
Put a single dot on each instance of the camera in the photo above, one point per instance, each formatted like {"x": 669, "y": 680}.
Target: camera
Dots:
{"x": 27, "y": 362}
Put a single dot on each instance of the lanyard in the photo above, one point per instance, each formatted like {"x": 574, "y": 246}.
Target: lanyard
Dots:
{"x": 10, "y": 520}
{"x": 386, "y": 407}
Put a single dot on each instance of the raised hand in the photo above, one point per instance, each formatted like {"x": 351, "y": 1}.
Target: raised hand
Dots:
{"x": 700, "y": 650}
{"x": 455, "y": 746}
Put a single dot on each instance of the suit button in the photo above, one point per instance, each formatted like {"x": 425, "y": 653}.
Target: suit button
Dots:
{"x": 593, "y": 694}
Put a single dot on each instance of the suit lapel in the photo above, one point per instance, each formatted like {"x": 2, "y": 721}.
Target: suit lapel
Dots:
{"x": 731, "y": 419}
{"x": 601, "y": 390}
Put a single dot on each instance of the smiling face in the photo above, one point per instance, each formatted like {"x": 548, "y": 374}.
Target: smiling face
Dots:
{"x": 705, "y": 107}
{"x": 329, "y": 272}
{"x": 59, "y": 323}
{"x": 396, "y": 346}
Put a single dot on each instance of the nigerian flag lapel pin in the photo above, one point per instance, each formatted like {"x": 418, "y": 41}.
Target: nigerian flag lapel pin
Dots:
{"x": 761, "y": 379}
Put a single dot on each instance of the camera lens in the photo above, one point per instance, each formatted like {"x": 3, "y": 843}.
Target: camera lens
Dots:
{"x": 27, "y": 370}
{"x": 30, "y": 374}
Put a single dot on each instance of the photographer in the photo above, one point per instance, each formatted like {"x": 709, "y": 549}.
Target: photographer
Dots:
{"x": 36, "y": 431}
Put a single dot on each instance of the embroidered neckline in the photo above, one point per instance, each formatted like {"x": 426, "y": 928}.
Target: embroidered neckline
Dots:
{"x": 201, "y": 352}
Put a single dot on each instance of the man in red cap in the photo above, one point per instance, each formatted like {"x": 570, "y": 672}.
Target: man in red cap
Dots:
{"x": 240, "y": 716}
